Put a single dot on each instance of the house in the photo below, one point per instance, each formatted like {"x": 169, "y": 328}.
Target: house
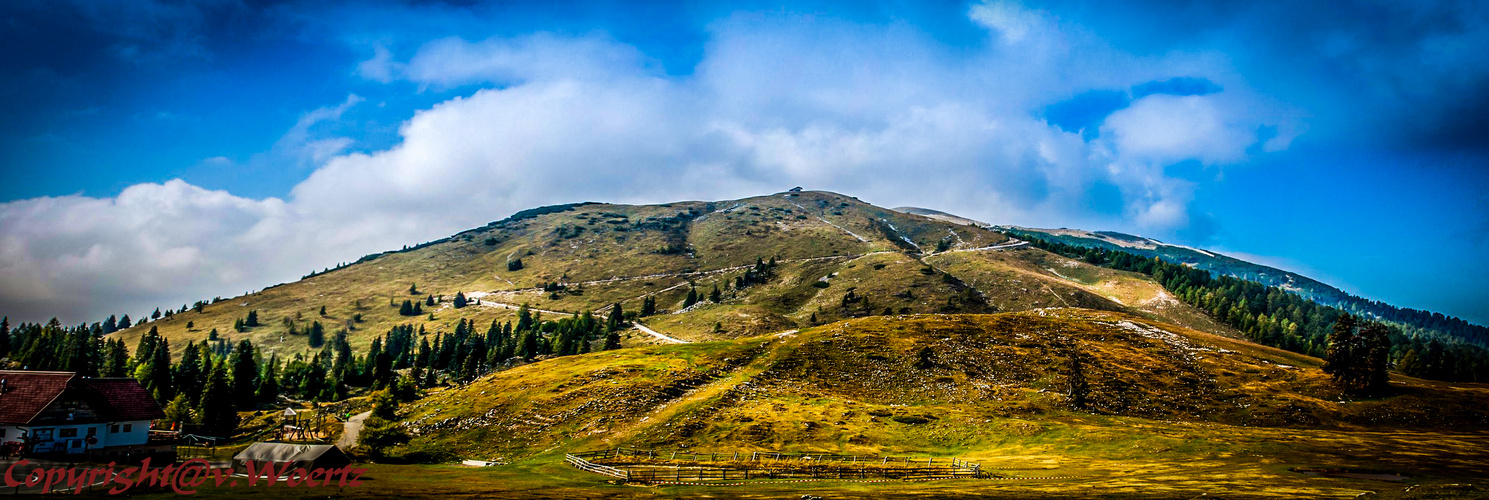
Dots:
{"x": 299, "y": 456}
{"x": 60, "y": 413}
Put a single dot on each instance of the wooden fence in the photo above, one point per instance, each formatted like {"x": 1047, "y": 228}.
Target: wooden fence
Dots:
{"x": 649, "y": 466}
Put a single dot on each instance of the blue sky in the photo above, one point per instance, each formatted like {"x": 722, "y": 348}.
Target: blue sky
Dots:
{"x": 155, "y": 153}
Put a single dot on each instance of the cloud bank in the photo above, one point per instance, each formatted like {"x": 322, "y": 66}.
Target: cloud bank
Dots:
{"x": 877, "y": 111}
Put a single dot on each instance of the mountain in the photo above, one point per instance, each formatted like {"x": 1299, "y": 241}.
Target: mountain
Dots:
{"x": 835, "y": 257}
{"x": 1416, "y": 322}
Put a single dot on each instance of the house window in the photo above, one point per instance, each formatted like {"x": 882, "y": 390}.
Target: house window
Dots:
{"x": 92, "y": 431}
{"x": 113, "y": 428}
{"x": 128, "y": 427}
{"x": 68, "y": 433}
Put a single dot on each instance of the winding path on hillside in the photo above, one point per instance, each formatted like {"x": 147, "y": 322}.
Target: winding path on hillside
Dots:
{"x": 659, "y": 335}
{"x": 351, "y": 429}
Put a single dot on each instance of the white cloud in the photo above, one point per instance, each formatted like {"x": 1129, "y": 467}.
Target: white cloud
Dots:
{"x": 879, "y": 112}
{"x": 1166, "y": 129}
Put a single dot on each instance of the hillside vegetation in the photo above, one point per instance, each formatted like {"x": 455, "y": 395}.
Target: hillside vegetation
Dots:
{"x": 835, "y": 258}
{"x": 955, "y": 383}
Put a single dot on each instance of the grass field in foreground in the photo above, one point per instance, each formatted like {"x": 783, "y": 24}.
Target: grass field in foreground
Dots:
{"x": 1175, "y": 461}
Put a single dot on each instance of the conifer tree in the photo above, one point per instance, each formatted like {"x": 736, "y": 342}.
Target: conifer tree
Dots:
{"x": 715, "y": 296}
{"x": 190, "y": 376}
{"x": 691, "y": 299}
{"x": 617, "y": 317}
{"x": 407, "y": 309}
{"x": 459, "y": 300}
{"x": 218, "y": 414}
{"x": 115, "y": 359}
{"x": 253, "y": 319}
{"x": 317, "y": 335}
{"x": 245, "y": 374}
{"x": 648, "y": 306}
{"x": 268, "y": 389}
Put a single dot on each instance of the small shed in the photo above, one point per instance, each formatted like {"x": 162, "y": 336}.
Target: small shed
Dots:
{"x": 306, "y": 456}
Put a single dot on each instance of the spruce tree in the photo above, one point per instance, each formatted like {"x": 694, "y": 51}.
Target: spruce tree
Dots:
{"x": 459, "y": 300}
{"x": 245, "y": 374}
{"x": 268, "y": 389}
{"x": 617, "y": 317}
{"x": 190, "y": 376}
{"x": 218, "y": 414}
{"x": 317, "y": 335}
{"x": 715, "y": 296}
{"x": 4, "y": 336}
{"x": 1343, "y": 360}
{"x": 124, "y": 322}
{"x": 407, "y": 309}
{"x": 691, "y": 299}
{"x": 253, "y": 319}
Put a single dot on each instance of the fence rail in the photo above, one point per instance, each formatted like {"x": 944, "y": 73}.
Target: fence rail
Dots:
{"x": 649, "y": 466}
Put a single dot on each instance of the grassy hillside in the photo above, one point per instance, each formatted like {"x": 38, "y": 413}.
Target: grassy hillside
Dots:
{"x": 955, "y": 384}
{"x": 837, "y": 258}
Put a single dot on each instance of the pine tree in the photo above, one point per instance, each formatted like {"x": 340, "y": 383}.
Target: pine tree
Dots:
{"x": 115, "y": 359}
{"x": 692, "y": 298}
{"x": 253, "y": 319}
{"x": 1376, "y": 340}
{"x": 612, "y": 340}
{"x": 190, "y": 376}
{"x": 245, "y": 374}
{"x": 124, "y": 322}
{"x": 715, "y": 296}
{"x": 616, "y": 319}
{"x": 648, "y": 306}
{"x": 459, "y": 300}
{"x": 156, "y": 314}
{"x": 268, "y": 390}
{"x": 4, "y": 336}
{"x": 1343, "y": 360}
{"x": 514, "y": 265}
{"x": 317, "y": 335}
{"x": 413, "y": 289}
{"x": 218, "y": 414}
{"x": 323, "y": 310}
{"x": 529, "y": 347}
{"x": 110, "y": 325}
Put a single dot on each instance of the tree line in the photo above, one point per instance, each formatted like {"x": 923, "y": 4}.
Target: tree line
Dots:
{"x": 1275, "y": 317}
{"x": 209, "y": 381}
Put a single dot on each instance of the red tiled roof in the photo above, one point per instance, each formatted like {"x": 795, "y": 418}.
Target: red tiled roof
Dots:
{"x": 126, "y": 399}
{"x": 26, "y": 394}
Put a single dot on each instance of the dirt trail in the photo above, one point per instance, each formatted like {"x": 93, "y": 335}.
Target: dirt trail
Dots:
{"x": 660, "y": 336}
{"x": 351, "y": 429}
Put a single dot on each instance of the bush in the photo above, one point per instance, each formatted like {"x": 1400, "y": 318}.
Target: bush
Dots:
{"x": 820, "y": 284}
{"x": 910, "y": 419}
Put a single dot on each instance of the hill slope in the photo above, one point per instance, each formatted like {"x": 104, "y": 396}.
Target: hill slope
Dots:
{"x": 952, "y": 383}
{"x": 835, "y": 258}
